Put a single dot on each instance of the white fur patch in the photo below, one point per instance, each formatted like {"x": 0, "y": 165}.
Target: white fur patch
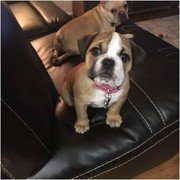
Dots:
{"x": 113, "y": 50}
{"x": 99, "y": 97}
{"x": 113, "y": 47}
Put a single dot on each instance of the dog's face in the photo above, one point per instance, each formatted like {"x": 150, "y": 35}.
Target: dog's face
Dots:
{"x": 115, "y": 11}
{"x": 109, "y": 57}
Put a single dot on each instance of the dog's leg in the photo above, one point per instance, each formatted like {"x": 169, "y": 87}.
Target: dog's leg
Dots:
{"x": 66, "y": 95}
{"x": 82, "y": 123}
{"x": 113, "y": 118}
{"x": 57, "y": 61}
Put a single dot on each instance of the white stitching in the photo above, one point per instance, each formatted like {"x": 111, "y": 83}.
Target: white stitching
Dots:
{"x": 134, "y": 156}
{"x": 165, "y": 48}
{"x": 26, "y": 126}
{"x": 7, "y": 171}
{"x": 171, "y": 54}
{"x": 144, "y": 120}
{"x": 160, "y": 114}
{"x": 125, "y": 152}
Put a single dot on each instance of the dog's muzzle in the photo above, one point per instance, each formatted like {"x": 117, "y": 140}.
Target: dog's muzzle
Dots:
{"x": 108, "y": 63}
{"x": 122, "y": 16}
{"x": 107, "y": 67}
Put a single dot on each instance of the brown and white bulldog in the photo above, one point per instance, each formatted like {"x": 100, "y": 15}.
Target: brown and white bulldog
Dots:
{"x": 102, "y": 80}
{"x": 104, "y": 17}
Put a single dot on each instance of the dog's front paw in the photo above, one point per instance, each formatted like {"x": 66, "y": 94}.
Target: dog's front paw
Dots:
{"x": 81, "y": 126}
{"x": 114, "y": 120}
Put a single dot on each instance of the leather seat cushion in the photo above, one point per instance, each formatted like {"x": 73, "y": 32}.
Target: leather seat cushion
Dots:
{"x": 51, "y": 14}
{"x": 44, "y": 48}
{"x": 38, "y": 18}
{"x": 28, "y": 18}
{"x": 151, "y": 111}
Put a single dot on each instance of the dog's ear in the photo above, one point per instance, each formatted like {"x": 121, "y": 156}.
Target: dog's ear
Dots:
{"x": 84, "y": 43}
{"x": 138, "y": 54}
{"x": 103, "y": 3}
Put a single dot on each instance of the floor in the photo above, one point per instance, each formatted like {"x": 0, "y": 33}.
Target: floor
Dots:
{"x": 166, "y": 170}
{"x": 166, "y": 28}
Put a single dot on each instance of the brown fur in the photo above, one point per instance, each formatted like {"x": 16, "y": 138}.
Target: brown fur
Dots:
{"x": 91, "y": 22}
{"x": 77, "y": 89}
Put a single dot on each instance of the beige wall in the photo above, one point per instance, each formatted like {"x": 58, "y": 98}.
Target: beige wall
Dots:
{"x": 65, "y": 5}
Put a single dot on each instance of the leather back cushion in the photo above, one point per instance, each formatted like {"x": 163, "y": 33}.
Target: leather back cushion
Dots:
{"x": 27, "y": 104}
{"x": 38, "y": 18}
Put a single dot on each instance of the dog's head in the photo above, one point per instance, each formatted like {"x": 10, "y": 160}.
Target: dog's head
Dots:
{"x": 109, "y": 56}
{"x": 115, "y": 11}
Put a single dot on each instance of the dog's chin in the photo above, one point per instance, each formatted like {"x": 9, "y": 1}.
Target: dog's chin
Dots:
{"x": 105, "y": 75}
{"x": 103, "y": 80}
{"x": 121, "y": 20}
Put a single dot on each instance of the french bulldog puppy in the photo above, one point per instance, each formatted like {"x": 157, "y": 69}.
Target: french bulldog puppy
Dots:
{"x": 104, "y": 17}
{"x": 102, "y": 80}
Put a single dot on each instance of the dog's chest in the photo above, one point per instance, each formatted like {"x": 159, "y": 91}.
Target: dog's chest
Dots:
{"x": 99, "y": 97}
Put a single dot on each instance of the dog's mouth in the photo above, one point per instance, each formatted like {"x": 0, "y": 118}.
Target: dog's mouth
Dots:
{"x": 108, "y": 73}
{"x": 102, "y": 74}
{"x": 107, "y": 77}
{"x": 123, "y": 17}
{"x": 120, "y": 19}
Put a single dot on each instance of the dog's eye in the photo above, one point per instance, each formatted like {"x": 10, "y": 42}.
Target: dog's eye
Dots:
{"x": 95, "y": 51}
{"x": 125, "y": 6}
{"x": 124, "y": 57}
{"x": 114, "y": 11}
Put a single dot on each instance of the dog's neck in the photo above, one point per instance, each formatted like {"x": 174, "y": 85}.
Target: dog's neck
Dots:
{"x": 106, "y": 88}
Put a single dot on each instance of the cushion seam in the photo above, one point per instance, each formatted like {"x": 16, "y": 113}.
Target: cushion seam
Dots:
{"x": 49, "y": 25}
{"x": 10, "y": 174}
{"x": 39, "y": 14}
{"x": 142, "y": 117}
{"x": 151, "y": 101}
{"x": 125, "y": 152}
{"x": 30, "y": 129}
{"x": 135, "y": 156}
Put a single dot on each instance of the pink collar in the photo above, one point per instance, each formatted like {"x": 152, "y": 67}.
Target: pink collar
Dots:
{"x": 106, "y": 88}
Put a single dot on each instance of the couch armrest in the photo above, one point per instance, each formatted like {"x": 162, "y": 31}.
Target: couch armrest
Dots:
{"x": 53, "y": 16}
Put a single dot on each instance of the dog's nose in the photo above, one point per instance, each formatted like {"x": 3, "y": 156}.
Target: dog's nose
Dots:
{"x": 108, "y": 63}
{"x": 122, "y": 16}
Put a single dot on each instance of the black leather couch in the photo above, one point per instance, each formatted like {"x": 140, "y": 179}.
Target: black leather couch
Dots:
{"x": 35, "y": 144}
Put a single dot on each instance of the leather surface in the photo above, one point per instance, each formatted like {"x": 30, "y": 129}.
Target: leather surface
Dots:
{"x": 27, "y": 103}
{"x": 44, "y": 48}
{"x": 51, "y": 14}
{"x": 152, "y": 105}
{"x": 138, "y": 163}
{"x": 18, "y": 158}
{"x": 28, "y": 18}
{"x": 38, "y": 18}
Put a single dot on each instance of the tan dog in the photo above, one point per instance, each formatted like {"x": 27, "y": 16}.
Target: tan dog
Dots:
{"x": 102, "y": 80}
{"x": 104, "y": 17}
